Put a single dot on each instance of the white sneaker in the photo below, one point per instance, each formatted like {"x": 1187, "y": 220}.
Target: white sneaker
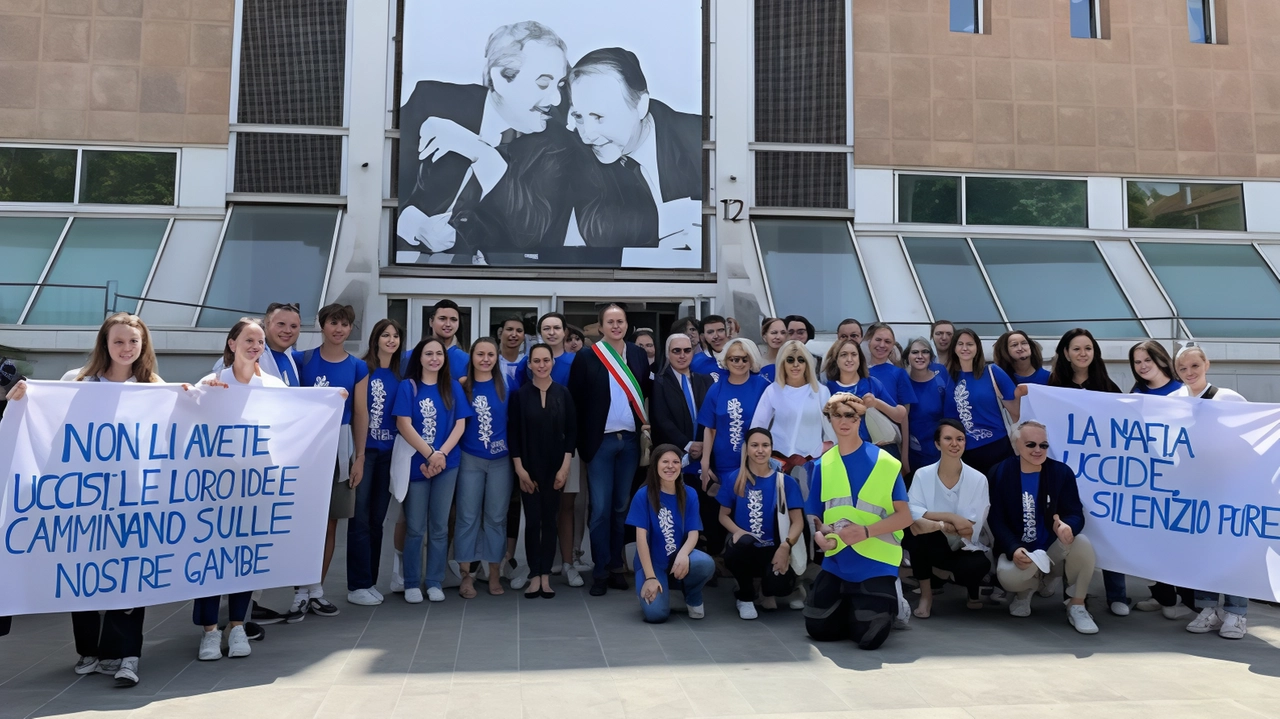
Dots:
{"x": 698, "y": 611}
{"x": 435, "y": 594}
{"x": 1081, "y": 619}
{"x": 455, "y": 569}
{"x": 108, "y": 666}
{"x": 397, "y": 573}
{"x": 86, "y": 665}
{"x": 1120, "y": 609}
{"x": 519, "y": 577}
{"x": 1234, "y": 626}
{"x": 746, "y": 610}
{"x": 377, "y": 595}
{"x": 237, "y": 643}
{"x": 572, "y": 575}
{"x": 363, "y": 597}
{"x": 127, "y": 675}
{"x": 1177, "y": 611}
{"x": 1021, "y": 604}
{"x": 798, "y": 602}
{"x": 1209, "y": 620}
{"x": 998, "y": 594}
{"x": 210, "y": 646}
{"x": 413, "y": 596}
{"x": 1148, "y": 605}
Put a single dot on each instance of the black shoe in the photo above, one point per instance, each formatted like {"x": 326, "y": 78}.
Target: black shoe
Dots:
{"x": 618, "y": 580}
{"x": 254, "y": 632}
{"x": 598, "y": 587}
{"x": 321, "y": 607}
{"x": 547, "y": 594}
{"x": 264, "y": 615}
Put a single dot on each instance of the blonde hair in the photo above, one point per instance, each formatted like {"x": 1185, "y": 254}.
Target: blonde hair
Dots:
{"x": 753, "y": 354}
{"x": 144, "y": 366}
{"x": 789, "y": 348}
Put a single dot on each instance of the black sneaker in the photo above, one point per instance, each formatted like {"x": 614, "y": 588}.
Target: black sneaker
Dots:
{"x": 254, "y": 631}
{"x": 618, "y": 580}
{"x": 298, "y": 610}
{"x": 321, "y": 607}
{"x": 598, "y": 587}
{"x": 265, "y": 615}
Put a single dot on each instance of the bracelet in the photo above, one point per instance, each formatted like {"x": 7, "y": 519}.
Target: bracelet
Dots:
{"x": 650, "y": 579}
{"x": 433, "y": 453}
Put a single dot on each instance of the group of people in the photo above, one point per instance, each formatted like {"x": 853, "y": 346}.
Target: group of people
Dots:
{"x": 876, "y": 457}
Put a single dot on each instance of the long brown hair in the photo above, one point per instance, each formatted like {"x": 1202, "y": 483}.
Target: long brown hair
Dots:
{"x": 831, "y": 363}
{"x": 1003, "y": 359}
{"x": 144, "y": 366}
{"x": 371, "y": 359}
{"x": 414, "y": 369}
{"x": 653, "y": 483}
{"x": 953, "y": 359}
{"x": 1159, "y": 355}
{"x": 229, "y": 357}
{"x": 745, "y": 474}
{"x": 499, "y": 379}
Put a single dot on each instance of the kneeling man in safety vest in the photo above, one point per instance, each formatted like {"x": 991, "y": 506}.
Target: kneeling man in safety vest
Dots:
{"x": 859, "y": 502}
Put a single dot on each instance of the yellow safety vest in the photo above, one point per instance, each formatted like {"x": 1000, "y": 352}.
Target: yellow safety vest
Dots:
{"x": 874, "y": 503}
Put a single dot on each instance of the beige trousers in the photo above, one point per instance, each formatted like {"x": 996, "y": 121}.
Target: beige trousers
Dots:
{"x": 1073, "y": 562}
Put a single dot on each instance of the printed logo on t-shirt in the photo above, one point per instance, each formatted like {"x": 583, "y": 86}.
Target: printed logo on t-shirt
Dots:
{"x": 1028, "y": 518}
{"x": 715, "y": 377}
{"x": 755, "y": 512}
{"x": 428, "y": 410}
{"x": 321, "y": 381}
{"x": 965, "y": 411}
{"x": 484, "y": 425}
{"x": 667, "y": 523}
{"x": 736, "y": 423}
{"x": 377, "y": 408}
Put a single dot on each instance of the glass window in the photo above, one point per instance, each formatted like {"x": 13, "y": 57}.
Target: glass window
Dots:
{"x": 964, "y": 15}
{"x": 1220, "y": 290}
{"x": 259, "y": 241}
{"x": 1082, "y": 21}
{"x": 128, "y": 178}
{"x": 95, "y": 252}
{"x": 1198, "y": 20}
{"x": 953, "y": 284}
{"x": 1186, "y": 206}
{"x": 33, "y": 174}
{"x": 28, "y": 242}
{"x": 929, "y": 198}
{"x": 1047, "y": 287}
{"x": 1034, "y": 202}
{"x": 812, "y": 270}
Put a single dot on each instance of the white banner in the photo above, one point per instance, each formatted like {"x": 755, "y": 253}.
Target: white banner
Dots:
{"x": 1179, "y": 490}
{"x": 129, "y": 495}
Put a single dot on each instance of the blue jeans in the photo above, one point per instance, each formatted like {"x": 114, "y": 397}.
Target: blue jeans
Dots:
{"x": 426, "y": 512}
{"x": 1114, "y": 584}
{"x": 484, "y": 486}
{"x": 701, "y": 567}
{"x": 364, "y": 529}
{"x": 1234, "y": 605}
{"x": 609, "y": 477}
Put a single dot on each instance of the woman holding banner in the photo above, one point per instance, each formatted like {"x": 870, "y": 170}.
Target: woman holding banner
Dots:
{"x": 111, "y": 644}
{"x": 1229, "y": 620}
{"x": 246, "y": 341}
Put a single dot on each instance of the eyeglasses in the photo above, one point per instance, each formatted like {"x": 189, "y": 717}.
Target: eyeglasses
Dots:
{"x": 1033, "y": 445}
{"x": 851, "y": 416}
{"x": 737, "y": 359}
{"x": 919, "y": 352}
{"x": 792, "y": 359}
{"x": 682, "y": 350}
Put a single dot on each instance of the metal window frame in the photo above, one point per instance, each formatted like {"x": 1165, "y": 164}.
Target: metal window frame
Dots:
{"x": 990, "y": 287}
{"x": 902, "y": 242}
{"x": 1181, "y": 322}
{"x": 217, "y": 253}
{"x": 155, "y": 262}
{"x": 1125, "y": 180}
{"x": 857, "y": 254}
{"x": 333, "y": 253}
{"x": 1160, "y": 285}
{"x": 764, "y": 272}
{"x": 80, "y": 149}
{"x": 44, "y": 273}
{"x": 1133, "y": 308}
{"x": 897, "y": 197}
{"x": 964, "y": 194}
{"x": 862, "y": 267}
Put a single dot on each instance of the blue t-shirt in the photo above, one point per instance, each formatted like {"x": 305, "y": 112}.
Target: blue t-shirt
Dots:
{"x": 286, "y": 369}
{"x": 559, "y": 371}
{"x": 704, "y": 363}
{"x": 896, "y": 381}
{"x": 1034, "y": 533}
{"x": 973, "y": 401}
{"x": 486, "y": 433}
{"x": 667, "y": 529}
{"x": 870, "y": 384}
{"x": 431, "y": 419}
{"x": 848, "y": 564}
{"x": 1169, "y": 388}
{"x": 728, "y": 409}
{"x": 382, "y": 390}
{"x": 931, "y": 396}
{"x": 457, "y": 358}
{"x": 755, "y": 512}
{"x": 1040, "y": 376}
{"x": 320, "y": 372}
{"x": 769, "y": 372}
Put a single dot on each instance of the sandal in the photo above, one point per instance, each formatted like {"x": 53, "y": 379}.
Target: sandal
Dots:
{"x": 467, "y": 590}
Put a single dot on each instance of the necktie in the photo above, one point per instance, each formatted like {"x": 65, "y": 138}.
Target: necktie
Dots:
{"x": 688, "y": 398}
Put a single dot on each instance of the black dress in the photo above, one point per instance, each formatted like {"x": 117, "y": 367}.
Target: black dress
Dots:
{"x": 540, "y": 434}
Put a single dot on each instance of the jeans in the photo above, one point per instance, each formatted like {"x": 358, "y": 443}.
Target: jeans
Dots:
{"x": 426, "y": 512}
{"x": 609, "y": 475}
{"x": 701, "y": 567}
{"x": 204, "y": 612}
{"x": 484, "y": 488}
{"x": 1114, "y": 584}
{"x": 364, "y": 529}
{"x": 1233, "y": 605}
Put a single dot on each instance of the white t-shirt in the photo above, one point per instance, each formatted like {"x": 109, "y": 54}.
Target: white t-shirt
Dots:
{"x": 794, "y": 415}
{"x": 1228, "y": 395}
{"x": 72, "y": 374}
{"x": 259, "y": 379}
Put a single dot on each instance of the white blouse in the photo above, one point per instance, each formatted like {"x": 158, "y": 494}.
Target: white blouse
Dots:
{"x": 259, "y": 379}
{"x": 794, "y": 417}
{"x": 969, "y": 499}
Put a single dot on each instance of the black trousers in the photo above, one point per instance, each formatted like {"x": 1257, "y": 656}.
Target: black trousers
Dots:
{"x": 116, "y": 635}
{"x": 747, "y": 562}
{"x": 861, "y": 611}
{"x": 711, "y": 539}
{"x": 6, "y": 623}
{"x": 931, "y": 550}
{"x": 1167, "y": 595}
{"x": 541, "y": 508}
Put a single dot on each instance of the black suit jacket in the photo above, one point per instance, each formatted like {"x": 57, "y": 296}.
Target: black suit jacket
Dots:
{"x": 589, "y": 383}
{"x": 1058, "y": 495}
{"x": 669, "y": 412}
{"x": 432, "y": 186}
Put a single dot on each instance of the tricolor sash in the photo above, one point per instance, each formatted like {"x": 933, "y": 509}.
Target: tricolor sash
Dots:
{"x": 622, "y": 375}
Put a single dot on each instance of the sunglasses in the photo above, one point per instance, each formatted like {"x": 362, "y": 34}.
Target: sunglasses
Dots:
{"x": 737, "y": 359}
{"x": 852, "y": 416}
{"x": 682, "y": 350}
{"x": 792, "y": 359}
{"x": 1033, "y": 445}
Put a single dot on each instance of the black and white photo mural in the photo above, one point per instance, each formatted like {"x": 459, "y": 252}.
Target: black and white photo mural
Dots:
{"x": 551, "y": 132}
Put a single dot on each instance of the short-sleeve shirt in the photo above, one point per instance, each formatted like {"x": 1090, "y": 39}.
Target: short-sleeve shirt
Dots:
{"x": 486, "y": 433}
{"x": 1040, "y": 376}
{"x": 320, "y": 372}
{"x": 931, "y": 396}
{"x": 728, "y": 409}
{"x": 667, "y": 528}
{"x": 381, "y": 391}
{"x": 848, "y": 564}
{"x": 973, "y": 401}
{"x": 704, "y": 363}
{"x": 755, "y": 511}
{"x": 1169, "y": 388}
{"x": 1035, "y": 534}
{"x": 432, "y": 420}
{"x": 896, "y": 381}
{"x": 870, "y": 384}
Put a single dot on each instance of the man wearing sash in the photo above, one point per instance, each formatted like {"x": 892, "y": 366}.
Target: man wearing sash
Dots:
{"x": 609, "y": 382}
{"x": 859, "y": 502}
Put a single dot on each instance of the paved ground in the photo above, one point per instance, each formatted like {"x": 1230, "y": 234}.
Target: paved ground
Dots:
{"x": 592, "y": 657}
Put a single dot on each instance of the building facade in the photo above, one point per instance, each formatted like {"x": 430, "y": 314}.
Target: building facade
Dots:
{"x": 1028, "y": 163}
